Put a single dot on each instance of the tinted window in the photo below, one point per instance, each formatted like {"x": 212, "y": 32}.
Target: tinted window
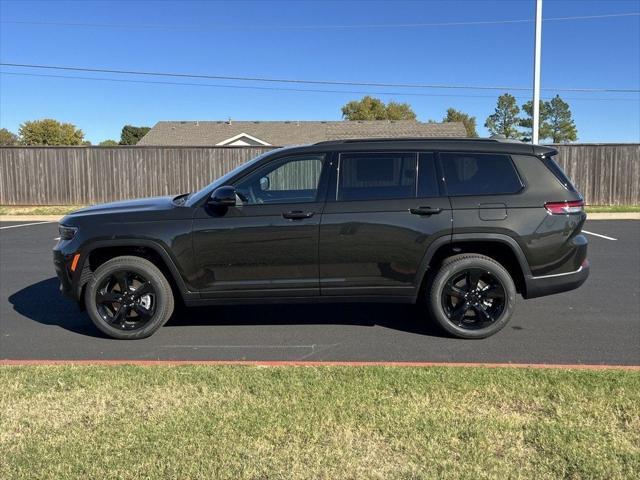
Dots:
{"x": 559, "y": 173}
{"x": 376, "y": 176}
{"x": 288, "y": 180}
{"x": 427, "y": 176}
{"x": 479, "y": 174}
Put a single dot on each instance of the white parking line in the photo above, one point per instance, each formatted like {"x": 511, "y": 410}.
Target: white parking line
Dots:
{"x": 24, "y": 225}
{"x": 598, "y": 235}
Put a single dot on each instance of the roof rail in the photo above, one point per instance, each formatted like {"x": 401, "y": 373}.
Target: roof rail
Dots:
{"x": 410, "y": 139}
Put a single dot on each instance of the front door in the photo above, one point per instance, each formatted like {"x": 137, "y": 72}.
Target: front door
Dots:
{"x": 383, "y": 212}
{"x": 268, "y": 243}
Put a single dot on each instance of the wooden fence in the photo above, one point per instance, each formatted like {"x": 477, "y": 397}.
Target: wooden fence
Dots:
{"x": 606, "y": 174}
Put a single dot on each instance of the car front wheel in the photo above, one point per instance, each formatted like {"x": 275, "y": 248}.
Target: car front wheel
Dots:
{"x": 472, "y": 296}
{"x": 128, "y": 298}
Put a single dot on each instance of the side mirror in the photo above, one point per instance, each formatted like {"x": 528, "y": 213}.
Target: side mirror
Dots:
{"x": 265, "y": 183}
{"x": 223, "y": 197}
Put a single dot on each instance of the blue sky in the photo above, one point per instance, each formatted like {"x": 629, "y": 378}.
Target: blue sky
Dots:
{"x": 255, "y": 39}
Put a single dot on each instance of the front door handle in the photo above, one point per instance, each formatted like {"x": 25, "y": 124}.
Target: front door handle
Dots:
{"x": 297, "y": 215}
{"x": 425, "y": 210}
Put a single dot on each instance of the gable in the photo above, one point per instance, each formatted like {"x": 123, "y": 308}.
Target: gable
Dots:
{"x": 244, "y": 140}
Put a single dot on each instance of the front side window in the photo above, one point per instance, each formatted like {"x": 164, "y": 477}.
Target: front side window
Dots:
{"x": 287, "y": 180}
{"x": 479, "y": 174}
{"x": 376, "y": 176}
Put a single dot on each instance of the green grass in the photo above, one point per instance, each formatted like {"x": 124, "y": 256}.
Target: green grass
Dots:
{"x": 612, "y": 208}
{"x": 235, "y": 422}
{"x": 38, "y": 210}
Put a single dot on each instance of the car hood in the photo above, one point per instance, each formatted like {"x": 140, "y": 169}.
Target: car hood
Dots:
{"x": 145, "y": 206}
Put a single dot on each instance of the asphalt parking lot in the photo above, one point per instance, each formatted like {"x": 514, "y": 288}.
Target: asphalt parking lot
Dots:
{"x": 596, "y": 324}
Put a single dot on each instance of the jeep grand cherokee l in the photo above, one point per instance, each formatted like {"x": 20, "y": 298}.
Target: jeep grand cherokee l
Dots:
{"x": 459, "y": 226}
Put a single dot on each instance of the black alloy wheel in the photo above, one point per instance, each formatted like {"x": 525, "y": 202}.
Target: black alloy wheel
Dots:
{"x": 126, "y": 300}
{"x": 473, "y": 298}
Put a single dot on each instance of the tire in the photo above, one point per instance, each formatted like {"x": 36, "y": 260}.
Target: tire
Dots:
{"x": 128, "y": 298}
{"x": 479, "y": 282}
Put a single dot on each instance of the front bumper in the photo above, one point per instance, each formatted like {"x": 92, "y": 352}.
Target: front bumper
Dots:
{"x": 61, "y": 265}
{"x": 562, "y": 282}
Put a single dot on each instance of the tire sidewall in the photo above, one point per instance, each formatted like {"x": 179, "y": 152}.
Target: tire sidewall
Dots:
{"x": 457, "y": 265}
{"x": 164, "y": 296}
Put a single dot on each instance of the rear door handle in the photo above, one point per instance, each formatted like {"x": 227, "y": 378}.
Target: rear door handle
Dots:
{"x": 297, "y": 215}
{"x": 425, "y": 210}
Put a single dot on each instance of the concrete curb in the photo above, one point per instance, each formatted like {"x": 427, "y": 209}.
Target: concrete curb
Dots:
{"x": 30, "y": 218}
{"x": 614, "y": 216}
{"x": 56, "y": 218}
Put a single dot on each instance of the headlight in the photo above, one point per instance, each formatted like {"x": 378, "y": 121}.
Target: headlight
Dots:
{"x": 66, "y": 233}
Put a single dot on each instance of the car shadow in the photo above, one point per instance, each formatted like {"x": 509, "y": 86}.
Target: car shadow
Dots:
{"x": 43, "y": 303}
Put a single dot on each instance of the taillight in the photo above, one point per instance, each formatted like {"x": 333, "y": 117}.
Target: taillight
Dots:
{"x": 562, "y": 208}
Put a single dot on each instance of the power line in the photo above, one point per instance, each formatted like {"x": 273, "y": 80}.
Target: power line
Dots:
{"x": 314, "y": 82}
{"x": 288, "y": 89}
{"x": 314, "y": 27}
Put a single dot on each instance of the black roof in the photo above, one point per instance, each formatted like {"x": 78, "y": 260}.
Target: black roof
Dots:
{"x": 486, "y": 145}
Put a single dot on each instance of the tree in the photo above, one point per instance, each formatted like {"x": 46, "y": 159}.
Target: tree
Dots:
{"x": 400, "y": 111}
{"x": 527, "y": 122}
{"x": 467, "y": 120}
{"x": 7, "y": 138}
{"x": 50, "y": 132}
{"x": 108, "y": 143}
{"x": 131, "y": 135}
{"x": 370, "y": 108}
{"x": 555, "y": 121}
{"x": 560, "y": 123}
{"x": 505, "y": 119}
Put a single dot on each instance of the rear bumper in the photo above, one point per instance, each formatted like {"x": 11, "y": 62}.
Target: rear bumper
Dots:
{"x": 562, "y": 282}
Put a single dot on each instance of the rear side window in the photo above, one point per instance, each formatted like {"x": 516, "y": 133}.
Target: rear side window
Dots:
{"x": 551, "y": 164}
{"x": 376, "y": 176}
{"x": 479, "y": 174}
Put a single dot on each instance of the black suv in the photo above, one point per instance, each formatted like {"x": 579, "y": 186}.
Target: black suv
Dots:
{"x": 458, "y": 225}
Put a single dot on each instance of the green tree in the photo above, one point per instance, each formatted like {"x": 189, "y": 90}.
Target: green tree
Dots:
{"x": 50, "y": 132}
{"x": 527, "y": 121}
{"x": 131, "y": 135}
{"x": 560, "y": 122}
{"x": 504, "y": 120}
{"x": 7, "y": 138}
{"x": 108, "y": 143}
{"x": 370, "y": 108}
{"x": 468, "y": 121}
{"x": 556, "y": 122}
{"x": 400, "y": 111}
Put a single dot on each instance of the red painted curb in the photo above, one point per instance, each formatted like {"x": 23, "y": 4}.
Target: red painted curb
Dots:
{"x": 294, "y": 363}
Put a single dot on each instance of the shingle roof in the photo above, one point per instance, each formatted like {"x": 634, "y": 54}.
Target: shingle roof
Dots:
{"x": 210, "y": 133}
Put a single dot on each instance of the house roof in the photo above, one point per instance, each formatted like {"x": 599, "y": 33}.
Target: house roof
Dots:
{"x": 208, "y": 133}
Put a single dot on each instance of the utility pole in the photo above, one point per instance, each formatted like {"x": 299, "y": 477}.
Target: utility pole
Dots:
{"x": 536, "y": 72}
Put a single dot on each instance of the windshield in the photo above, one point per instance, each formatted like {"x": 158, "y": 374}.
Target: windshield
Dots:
{"x": 201, "y": 194}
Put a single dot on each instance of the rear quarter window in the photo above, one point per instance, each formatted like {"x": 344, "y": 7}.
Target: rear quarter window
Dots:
{"x": 480, "y": 174}
{"x": 551, "y": 164}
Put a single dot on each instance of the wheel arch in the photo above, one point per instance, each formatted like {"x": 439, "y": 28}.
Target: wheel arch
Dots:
{"x": 502, "y": 248}
{"x": 98, "y": 252}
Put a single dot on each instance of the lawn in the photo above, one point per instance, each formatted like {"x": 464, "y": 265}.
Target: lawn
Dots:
{"x": 38, "y": 210}
{"x": 612, "y": 208}
{"x": 246, "y": 422}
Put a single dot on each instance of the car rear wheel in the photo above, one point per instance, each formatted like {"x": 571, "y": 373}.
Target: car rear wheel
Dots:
{"x": 472, "y": 296}
{"x": 128, "y": 298}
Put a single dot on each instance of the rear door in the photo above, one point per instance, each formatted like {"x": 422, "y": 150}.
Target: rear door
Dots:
{"x": 383, "y": 211}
